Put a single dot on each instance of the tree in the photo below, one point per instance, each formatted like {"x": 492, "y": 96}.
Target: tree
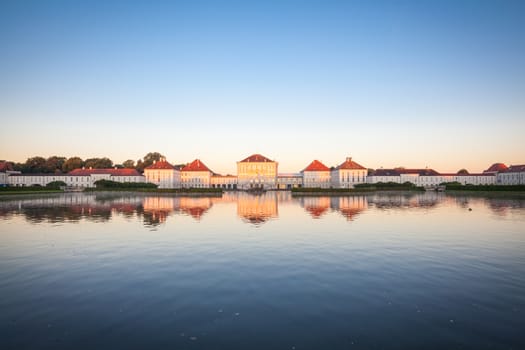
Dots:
{"x": 463, "y": 172}
{"x": 56, "y": 184}
{"x": 98, "y": 163}
{"x": 34, "y": 165}
{"x": 72, "y": 163}
{"x": 129, "y": 164}
{"x": 54, "y": 164}
{"x": 148, "y": 160}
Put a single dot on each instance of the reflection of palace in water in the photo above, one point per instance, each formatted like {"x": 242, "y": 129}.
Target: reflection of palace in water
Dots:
{"x": 253, "y": 209}
{"x": 257, "y": 209}
{"x": 71, "y": 207}
{"x": 348, "y": 206}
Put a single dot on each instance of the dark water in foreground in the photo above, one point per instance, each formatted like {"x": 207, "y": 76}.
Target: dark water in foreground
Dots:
{"x": 270, "y": 272}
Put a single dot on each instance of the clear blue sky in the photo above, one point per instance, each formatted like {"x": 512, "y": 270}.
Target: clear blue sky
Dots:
{"x": 411, "y": 83}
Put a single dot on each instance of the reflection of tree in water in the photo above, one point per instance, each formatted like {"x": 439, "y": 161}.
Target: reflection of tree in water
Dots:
{"x": 252, "y": 209}
{"x": 67, "y": 208}
{"x": 503, "y": 207}
{"x": 405, "y": 200}
{"x": 61, "y": 214}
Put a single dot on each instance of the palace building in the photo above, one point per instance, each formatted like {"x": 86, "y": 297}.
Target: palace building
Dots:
{"x": 196, "y": 175}
{"x": 163, "y": 174}
{"x": 316, "y": 175}
{"x": 348, "y": 174}
{"x": 257, "y": 171}
{"x": 514, "y": 175}
{"x": 228, "y": 182}
{"x": 77, "y": 178}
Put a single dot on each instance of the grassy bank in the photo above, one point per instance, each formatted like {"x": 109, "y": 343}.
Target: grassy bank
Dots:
{"x": 485, "y": 188}
{"x": 27, "y": 190}
{"x": 113, "y": 186}
{"x": 325, "y": 190}
{"x": 361, "y": 188}
{"x": 180, "y": 191}
{"x": 333, "y": 191}
{"x": 389, "y": 186}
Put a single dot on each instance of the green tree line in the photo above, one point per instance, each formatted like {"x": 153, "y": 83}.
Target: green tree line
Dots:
{"x": 59, "y": 164}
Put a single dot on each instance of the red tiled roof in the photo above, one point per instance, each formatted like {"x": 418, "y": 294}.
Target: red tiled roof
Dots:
{"x": 399, "y": 171}
{"x": 421, "y": 172}
{"x": 516, "y": 169}
{"x": 496, "y": 167}
{"x": 111, "y": 171}
{"x": 386, "y": 172}
{"x": 350, "y": 164}
{"x": 196, "y": 165}
{"x": 161, "y": 164}
{"x": 483, "y": 174}
{"x": 256, "y": 158}
{"x": 37, "y": 174}
{"x": 6, "y": 166}
{"x": 316, "y": 166}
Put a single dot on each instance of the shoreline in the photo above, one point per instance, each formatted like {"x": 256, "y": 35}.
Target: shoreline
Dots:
{"x": 300, "y": 193}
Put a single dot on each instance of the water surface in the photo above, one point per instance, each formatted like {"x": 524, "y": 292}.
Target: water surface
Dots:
{"x": 381, "y": 271}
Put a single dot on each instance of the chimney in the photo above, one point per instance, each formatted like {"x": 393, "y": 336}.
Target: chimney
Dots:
{"x": 83, "y": 167}
{"x": 154, "y": 161}
{"x": 90, "y": 168}
{"x": 348, "y": 159}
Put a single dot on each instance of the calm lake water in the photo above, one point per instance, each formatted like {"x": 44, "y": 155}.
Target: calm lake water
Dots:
{"x": 381, "y": 271}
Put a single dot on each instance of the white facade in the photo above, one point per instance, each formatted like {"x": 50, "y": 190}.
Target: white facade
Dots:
{"x": 196, "y": 175}
{"x": 348, "y": 174}
{"x": 373, "y": 179}
{"x": 163, "y": 174}
{"x": 428, "y": 177}
{"x": 289, "y": 181}
{"x": 195, "y": 179}
{"x": 76, "y": 178}
{"x": 476, "y": 179}
{"x": 316, "y": 175}
{"x": 163, "y": 178}
{"x": 515, "y": 175}
{"x": 224, "y": 181}
{"x": 317, "y": 179}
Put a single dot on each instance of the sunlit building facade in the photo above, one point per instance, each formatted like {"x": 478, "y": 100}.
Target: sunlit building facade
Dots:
{"x": 227, "y": 182}
{"x": 257, "y": 171}
{"x": 289, "y": 181}
{"x": 196, "y": 175}
{"x": 163, "y": 174}
{"x": 257, "y": 209}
